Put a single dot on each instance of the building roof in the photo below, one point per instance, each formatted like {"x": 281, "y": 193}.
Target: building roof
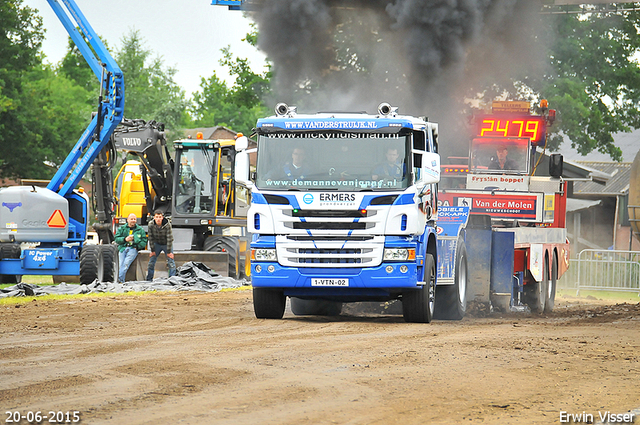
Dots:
{"x": 580, "y": 204}
{"x": 629, "y": 143}
{"x": 218, "y": 132}
{"x": 572, "y": 170}
{"x": 618, "y": 183}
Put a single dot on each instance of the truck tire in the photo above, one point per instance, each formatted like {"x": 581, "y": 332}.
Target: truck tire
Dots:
{"x": 536, "y": 292}
{"x": 268, "y": 303}
{"x": 418, "y": 304}
{"x": 111, "y": 262}
{"x": 231, "y": 246}
{"x": 301, "y": 307}
{"x": 451, "y": 301}
{"x": 550, "y": 299}
{"x": 91, "y": 266}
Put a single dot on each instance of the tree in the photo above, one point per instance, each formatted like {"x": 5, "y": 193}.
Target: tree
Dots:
{"x": 237, "y": 107}
{"x": 21, "y": 37}
{"x": 592, "y": 79}
{"x": 150, "y": 90}
{"x": 595, "y": 83}
{"x": 75, "y": 67}
{"x": 54, "y": 113}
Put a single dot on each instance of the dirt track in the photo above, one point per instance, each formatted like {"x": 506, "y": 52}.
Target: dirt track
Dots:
{"x": 204, "y": 358}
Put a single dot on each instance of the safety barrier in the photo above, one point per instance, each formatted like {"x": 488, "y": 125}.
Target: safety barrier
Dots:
{"x": 603, "y": 270}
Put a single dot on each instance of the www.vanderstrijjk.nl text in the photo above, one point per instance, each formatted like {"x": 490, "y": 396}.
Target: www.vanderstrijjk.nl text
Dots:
{"x": 588, "y": 418}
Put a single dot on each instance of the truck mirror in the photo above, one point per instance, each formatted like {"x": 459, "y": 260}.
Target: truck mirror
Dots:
{"x": 430, "y": 172}
{"x": 555, "y": 165}
{"x": 241, "y": 169}
{"x": 242, "y": 143}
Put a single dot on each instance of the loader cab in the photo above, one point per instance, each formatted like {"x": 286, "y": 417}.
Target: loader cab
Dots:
{"x": 203, "y": 180}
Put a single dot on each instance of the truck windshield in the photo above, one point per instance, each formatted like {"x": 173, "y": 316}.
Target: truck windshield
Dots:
{"x": 332, "y": 161}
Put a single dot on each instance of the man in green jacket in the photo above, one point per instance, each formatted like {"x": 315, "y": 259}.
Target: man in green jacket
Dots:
{"x": 130, "y": 238}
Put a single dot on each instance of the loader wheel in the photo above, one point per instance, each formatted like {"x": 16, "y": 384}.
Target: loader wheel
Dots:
{"x": 536, "y": 292}
{"x": 10, "y": 278}
{"x": 231, "y": 246}
{"x": 452, "y": 299}
{"x": 91, "y": 266}
{"x": 268, "y": 303}
{"x": 550, "y": 299}
{"x": 11, "y": 251}
{"x": 111, "y": 263}
{"x": 418, "y": 304}
{"x": 301, "y": 307}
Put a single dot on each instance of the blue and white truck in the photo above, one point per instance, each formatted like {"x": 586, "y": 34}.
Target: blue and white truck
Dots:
{"x": 343, "y": 210}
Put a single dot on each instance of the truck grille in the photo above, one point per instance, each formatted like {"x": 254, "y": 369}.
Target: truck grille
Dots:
{"x": 331, "y": 225}
{"x": 330, "y": 256}
{"x": 328, "y": 253}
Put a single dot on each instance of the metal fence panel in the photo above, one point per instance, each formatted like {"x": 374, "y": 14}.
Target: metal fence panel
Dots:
{"x": 603, "y": 270}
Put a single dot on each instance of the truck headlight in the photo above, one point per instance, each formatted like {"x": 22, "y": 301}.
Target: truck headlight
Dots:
{"x": 263, "y": 254}
{"x": 399, "y": 254}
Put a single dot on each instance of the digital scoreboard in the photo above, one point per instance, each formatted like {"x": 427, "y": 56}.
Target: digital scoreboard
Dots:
{"x": 533, "y": 127}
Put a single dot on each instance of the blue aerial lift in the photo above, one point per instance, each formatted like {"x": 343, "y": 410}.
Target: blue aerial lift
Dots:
{"x": 43, "y": 230}
{"x": 233, "y": 4}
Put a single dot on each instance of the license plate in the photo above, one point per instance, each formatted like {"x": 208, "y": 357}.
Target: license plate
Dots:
{"x": 329, "y": 282}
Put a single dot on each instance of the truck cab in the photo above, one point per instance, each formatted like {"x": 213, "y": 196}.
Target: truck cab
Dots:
{"x": 343, "y": 210}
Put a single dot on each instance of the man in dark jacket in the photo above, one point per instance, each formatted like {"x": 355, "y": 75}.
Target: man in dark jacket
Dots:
{"x": 130, "y": 238}
{"x": 502, "y": 161}
{"x": 160, "y": 239}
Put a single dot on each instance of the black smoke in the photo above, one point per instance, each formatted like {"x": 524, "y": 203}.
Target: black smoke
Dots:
{"x": 429, "y": 57}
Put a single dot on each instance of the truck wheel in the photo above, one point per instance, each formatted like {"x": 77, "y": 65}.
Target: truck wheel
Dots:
{"x": 268, "y": 303}
{"x": 110, "y": 260}
{"x": 536, "y": 292}
{"x": 231, "y": 246}
{"x": 91, "y": 266}
{"x": 550, "y": 299}
{"x": 418, "y": 304}
{"x": 301, "y": 307}
{"x": 452, "y": 299}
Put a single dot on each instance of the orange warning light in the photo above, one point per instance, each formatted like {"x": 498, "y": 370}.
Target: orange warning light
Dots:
{"x": 57, "y": 220}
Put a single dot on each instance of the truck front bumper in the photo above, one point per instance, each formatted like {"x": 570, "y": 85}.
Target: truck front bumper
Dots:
{"x": 383, "y": 282}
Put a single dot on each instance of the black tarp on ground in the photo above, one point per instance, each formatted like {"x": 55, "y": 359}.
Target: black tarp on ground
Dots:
{"x": 191, "y": 276}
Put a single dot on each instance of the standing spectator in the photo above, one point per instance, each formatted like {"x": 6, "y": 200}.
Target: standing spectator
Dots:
{"x": 160, "y": 239}
{"x": 130, "y": 238}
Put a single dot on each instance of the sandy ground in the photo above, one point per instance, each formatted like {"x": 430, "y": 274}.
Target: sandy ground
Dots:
{"x": 203, "y": 358}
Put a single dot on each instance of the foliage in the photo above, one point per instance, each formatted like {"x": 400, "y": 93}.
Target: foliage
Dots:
{"x": 237, "y": 107}
{"x": 42, "y": 113}
{"x": 150, "y": 90}
{"x": 55, "y": 113}
{"x": 20, "y": 40}
{"x": 74, "y": 66}
{"x": 593, "y": 79}
{"x": 604, "y": 67}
